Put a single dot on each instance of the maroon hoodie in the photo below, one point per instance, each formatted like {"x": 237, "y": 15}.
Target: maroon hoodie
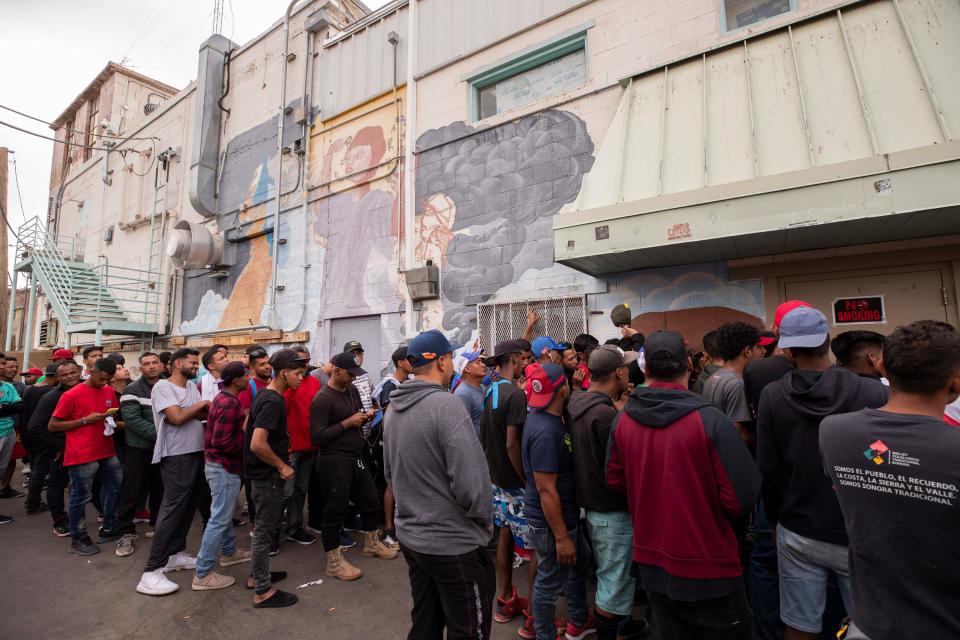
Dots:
{"x": 686, "y": 473}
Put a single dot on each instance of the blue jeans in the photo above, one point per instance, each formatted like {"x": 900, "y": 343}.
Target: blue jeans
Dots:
{"x": 612, "y": 535}
{"x": 805, "y": 568}
{"x": 552, "y": 576}
{"x": 110, "y": 473}
{"x": 763, "y": 582}
{"x": 224, "y": 489}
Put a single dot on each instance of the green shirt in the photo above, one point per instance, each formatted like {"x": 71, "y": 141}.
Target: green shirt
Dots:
{"x": 8, "y": 395}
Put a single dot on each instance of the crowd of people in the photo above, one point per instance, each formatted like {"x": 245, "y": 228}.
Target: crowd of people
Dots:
{"x": 752, "y": 489}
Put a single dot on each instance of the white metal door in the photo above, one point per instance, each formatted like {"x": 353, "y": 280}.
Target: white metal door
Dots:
{"x": 366, "y": 330}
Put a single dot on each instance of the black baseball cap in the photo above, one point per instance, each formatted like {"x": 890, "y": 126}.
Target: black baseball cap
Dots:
{"x": 287, "y": 359}
{"x": 353, "y": 345}
{"x": 348, "y": 361}
{"x": 665, "y": 347}
{"x": 232, "y": 371}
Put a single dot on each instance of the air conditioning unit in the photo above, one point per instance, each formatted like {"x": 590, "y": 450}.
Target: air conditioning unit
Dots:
{"x": 192, "y": 246}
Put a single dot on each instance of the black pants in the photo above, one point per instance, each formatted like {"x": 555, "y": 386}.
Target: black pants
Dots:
{"x": 315, "y": 499}
{"x": 455, "y": 592}
{"x": 344, "y": 480}
{"x": 138, "y": 475}
{"x": 182, "y": 480}
{"x": 40, "y": 462}
{"x": 268, "y": 497}
{"x": 726, "y": 618}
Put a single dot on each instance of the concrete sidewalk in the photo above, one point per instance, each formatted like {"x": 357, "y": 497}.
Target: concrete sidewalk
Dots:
{"x": 50, "y": 593}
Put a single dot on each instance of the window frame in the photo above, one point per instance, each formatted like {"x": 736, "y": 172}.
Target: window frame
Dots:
{"x": 722, "y": 4}
{"x": 538, "y": 55}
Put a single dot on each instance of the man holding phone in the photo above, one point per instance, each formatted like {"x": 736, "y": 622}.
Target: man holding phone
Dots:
{"x": 336, "y": 419}
{"x": 82, "y": 413}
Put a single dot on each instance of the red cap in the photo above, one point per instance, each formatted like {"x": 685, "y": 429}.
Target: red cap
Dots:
{"x": 542, "y": 382}
{"x": 765, "y": 341}
{"x": 32, "y": 371}
{"x": 786, "y": 307}
{"x": 60, "y": 354}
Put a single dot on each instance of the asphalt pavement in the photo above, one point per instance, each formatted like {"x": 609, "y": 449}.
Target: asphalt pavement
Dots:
{"x": 50, "y": 593}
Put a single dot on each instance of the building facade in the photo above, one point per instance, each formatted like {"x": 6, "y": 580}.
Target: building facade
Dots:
{"x": 700, "y": 160}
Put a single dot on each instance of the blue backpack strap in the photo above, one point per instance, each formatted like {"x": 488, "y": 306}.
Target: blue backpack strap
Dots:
{"x": 493, "y": 391}
{"x": 253, "y": 389}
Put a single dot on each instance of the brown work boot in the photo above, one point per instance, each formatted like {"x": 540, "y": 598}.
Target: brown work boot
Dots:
{"x": 339, "y": 568}
{"x": 373, "y": 546}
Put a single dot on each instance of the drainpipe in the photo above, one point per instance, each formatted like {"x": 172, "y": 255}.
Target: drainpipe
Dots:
{"x": 273, "y": 318}
{"x": 409, "y": 183}
{"x": 305, "y": 182}
{"x": 28, "y": 331}
{"x": 8, "y": 340}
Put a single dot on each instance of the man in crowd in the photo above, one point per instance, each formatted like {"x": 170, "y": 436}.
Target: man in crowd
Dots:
{"x": 265, "y": 454}
{"x": 501, "y": 431}
{"x": 37, "y": 442}
{"x": 902, "y": 523}
{"x": 139, "y": 472}
{"x": 434, "y": 460}
{"x": 11, "y": 371}
{"x": 51, "y": 445}
{"x": 760, "y": 372}
{"x": 91, "y": 354}
{"x": 336, "y": 417}
{"x": 165, "y": 357}
{"x": 551, "y": 509}
{"x": 546, "y": 349}
{"x": 401, "y": 372}
{"x": 261, "y": 375}
{"x": 860, "y": 352}
{"x": 177, "y": 409}
{"x": 470, "y": 390}
{"x": 712, "y": 361}
{"x": 590, "y": 415}
{"x": 736, "y": 345}
{"x": 86, "y": 413}
{"x": 303, "y": 452}
{"x": 31, "y": 375}
{"x": 362, "y": 381}
{"x": 223, "y": 463}
{"x": 214, "y": 360}
{"x": 684, "y": 545}
{"x": 799, "y": 501}
{"x": 10, "y": 408}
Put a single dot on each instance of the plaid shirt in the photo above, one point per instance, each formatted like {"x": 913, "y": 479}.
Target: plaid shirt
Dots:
{"x": 223, "y": 435}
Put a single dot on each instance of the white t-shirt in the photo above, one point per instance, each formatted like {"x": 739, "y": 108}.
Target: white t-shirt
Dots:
{"x": 173, "y": 440}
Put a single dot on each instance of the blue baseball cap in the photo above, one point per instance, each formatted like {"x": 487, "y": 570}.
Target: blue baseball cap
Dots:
{"x": 543, "y": 344}
{"x": 803, "y": 327}
{"x": 428, "y": 347}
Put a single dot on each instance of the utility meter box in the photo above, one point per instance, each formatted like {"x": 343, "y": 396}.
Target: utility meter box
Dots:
{"x": 423, "y": 283}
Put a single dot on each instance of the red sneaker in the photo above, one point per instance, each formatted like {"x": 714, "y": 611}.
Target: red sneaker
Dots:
{"x": 509, "y": 609}
{"x": 526, "y": 630}
{"x": 578, "y": 632}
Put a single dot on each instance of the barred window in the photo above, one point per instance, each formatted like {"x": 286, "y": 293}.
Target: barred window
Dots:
{"x": 562, "y": 318}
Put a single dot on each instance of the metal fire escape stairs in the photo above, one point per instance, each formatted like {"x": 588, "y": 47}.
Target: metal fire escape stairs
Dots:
{"x": 102, "y": 299}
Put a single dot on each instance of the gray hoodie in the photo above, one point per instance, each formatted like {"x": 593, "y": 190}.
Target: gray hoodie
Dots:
{"x": 438, "y": 472}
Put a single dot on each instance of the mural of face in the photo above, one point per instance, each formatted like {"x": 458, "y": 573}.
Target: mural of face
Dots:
{"x": 486, "y": 201}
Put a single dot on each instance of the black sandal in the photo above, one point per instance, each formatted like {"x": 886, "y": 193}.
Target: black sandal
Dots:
{"x": 275, "y": 576}
{"x": 278, "y": 599}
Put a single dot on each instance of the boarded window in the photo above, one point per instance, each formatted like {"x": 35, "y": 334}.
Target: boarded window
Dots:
{"x": 562, "y": 318}
{"x": 736, "y": 14}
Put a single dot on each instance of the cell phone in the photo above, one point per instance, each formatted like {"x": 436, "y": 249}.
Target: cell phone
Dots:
{"x": 111, "y": 411}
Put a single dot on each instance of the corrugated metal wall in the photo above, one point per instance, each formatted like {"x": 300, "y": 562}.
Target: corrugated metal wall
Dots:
{"x": 361, "y": 65}
{"x": 866, "y": 80}
{"x": 449, "y": 29}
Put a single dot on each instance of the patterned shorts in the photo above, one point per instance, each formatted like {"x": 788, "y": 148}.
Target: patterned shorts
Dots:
{"x": 508, "y": 513}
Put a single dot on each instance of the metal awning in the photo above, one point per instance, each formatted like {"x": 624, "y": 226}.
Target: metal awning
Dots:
{"x": 838, "y": 130}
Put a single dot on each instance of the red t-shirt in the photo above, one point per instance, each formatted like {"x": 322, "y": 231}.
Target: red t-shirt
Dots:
{"x": 86, "y": 443}
{"x": 297, "y": 402}
{"x": 246, "y": 396}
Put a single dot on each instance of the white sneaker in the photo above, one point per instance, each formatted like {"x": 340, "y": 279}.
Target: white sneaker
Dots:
{"x": 155, "y": 583}
{"x": 180, "y": 560}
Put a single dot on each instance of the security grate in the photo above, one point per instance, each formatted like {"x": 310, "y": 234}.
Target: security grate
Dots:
{"x": 562, "y": 318}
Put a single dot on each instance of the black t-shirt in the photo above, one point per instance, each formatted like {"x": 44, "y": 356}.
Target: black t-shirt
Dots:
{"x": 328, "y": 409}
{"x": 759, "y": 373}
{"x": 504, "y": 405}
{"x": 547, "y": 448}
{"x": 897, "y": 480}
{"x": 266, "y": 412}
